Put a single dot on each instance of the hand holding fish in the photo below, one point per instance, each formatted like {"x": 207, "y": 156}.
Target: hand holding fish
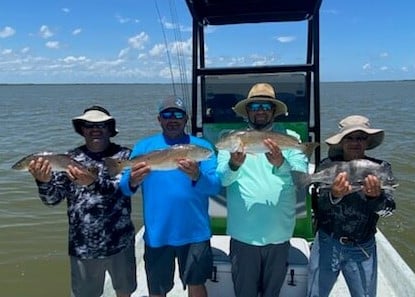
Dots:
{"x": 341, "y": 186}
{"x": 274, "y": 155}
{"x": 371, "y": 186}
{"x": 41, "y": 169}
{"x": 190, "y": 167}
{"x": 236, "y": 160}
{"x": 80, "y": 176}
{"x": 139, "y": 171}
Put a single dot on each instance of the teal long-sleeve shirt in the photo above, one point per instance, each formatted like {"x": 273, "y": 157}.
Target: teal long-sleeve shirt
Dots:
{"x": 261, "y": 198}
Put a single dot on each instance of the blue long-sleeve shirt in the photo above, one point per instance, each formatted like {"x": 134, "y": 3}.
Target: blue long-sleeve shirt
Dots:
{"x": 175, "y": 208}
{"x": 261, "y": 198}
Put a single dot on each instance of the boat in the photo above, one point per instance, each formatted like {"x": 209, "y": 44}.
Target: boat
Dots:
{"x": 214, "y": 91}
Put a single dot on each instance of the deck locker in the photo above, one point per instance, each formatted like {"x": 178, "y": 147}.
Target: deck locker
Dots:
{"x": 295, "y": 283}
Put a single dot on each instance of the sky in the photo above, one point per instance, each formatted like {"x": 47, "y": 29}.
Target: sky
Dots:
{"x": 149, "y": 41}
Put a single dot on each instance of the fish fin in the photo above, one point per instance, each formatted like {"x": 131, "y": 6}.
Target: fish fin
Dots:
{"x": 309, "y": 147}
{"x": 390, "y": 187}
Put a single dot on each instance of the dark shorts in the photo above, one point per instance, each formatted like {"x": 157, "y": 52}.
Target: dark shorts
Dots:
{"x": 88, "y": 276}
{"x": 258, "y": 268}
{"x": 194, "y": 260}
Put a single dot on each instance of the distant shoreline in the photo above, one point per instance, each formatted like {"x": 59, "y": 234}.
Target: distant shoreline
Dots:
{"x": 158, "y": 83}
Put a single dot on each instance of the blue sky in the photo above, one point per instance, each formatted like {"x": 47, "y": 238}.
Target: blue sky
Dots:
{"x": 124, "y": 41}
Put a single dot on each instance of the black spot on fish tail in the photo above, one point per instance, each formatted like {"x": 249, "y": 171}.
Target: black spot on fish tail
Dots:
{"x": 114, "y": 166}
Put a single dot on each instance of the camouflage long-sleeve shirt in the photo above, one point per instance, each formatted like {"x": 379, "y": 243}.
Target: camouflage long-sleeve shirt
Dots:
{"x": 354, "y": 216}
{"x": 99, "y": 214}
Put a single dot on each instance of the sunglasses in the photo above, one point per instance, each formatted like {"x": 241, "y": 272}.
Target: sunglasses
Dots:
{"x": 357, "y": 138}
{"x": 167, "y": 115}
{"x": 266, "y": 106}
{"x": 89, "y": 125}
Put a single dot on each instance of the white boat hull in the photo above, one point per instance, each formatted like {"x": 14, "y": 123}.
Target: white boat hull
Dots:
{"x": 395, "y": 278}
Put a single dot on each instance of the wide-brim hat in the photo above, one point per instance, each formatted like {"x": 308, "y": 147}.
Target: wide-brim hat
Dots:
{"x": 352, "y": 124}
{"x": 95, "y": 114}
{"x": 261, "y": 92}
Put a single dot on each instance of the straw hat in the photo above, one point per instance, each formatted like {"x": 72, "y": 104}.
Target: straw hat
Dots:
{"x": 261, "y": 92}
{"x": 94, "y": 114}
{"x": 352, "y": 124}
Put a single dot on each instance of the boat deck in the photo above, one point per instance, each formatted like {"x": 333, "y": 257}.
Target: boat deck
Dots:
{"x": 395, "y": 278}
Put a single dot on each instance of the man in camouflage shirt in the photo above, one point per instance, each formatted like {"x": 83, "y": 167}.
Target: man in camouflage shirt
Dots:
{"x": 101, "y": 233}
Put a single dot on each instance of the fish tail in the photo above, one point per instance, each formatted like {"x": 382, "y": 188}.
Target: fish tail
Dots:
{"x": 308, "y": 148}
{"x": 114, "y": 166}
{"x": 300, "y": 179}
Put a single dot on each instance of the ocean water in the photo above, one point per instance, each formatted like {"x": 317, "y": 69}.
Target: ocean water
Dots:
{"x": 33, "y": 237}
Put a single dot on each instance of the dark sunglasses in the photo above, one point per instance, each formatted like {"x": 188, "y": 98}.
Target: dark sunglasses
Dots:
{"x": 357, "y": 138}
{"x": 260, "y": 106}
{"x": 167, "y": 115}
{"x": 89, "y": 125}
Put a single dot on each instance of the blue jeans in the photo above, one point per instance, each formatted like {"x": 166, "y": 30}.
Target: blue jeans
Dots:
{"x": 357, "y": 262}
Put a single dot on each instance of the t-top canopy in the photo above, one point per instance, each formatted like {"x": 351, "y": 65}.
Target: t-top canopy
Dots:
{"x": 223, "y": 12}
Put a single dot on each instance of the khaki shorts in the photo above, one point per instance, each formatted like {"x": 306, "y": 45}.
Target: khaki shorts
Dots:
{"x": 88, "y": 276}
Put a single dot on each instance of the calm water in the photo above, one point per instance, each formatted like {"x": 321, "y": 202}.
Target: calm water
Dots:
{"x": 33, "y": 243}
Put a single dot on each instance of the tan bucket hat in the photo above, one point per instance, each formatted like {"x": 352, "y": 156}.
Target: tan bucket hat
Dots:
{"x": 352, "y": 124}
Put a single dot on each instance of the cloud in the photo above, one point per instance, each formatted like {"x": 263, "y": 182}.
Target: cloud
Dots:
{"x": 25, "y": 50}
{"x": 66, "y": 10}
{"x": 384, "y": 55}
{"x": 285, "y": 39}
{"x": 45, "y": 32}
{"x": 7, "y": 32}
{"x": 138, "y": 41}
{"x": 367, "y": 66}
{"x": 329, "y": 11}
{"x": 77, "y": 31}
{"x": 124, "y": 20}
{"x": 123, "y": 53}
{"x": 6, "y": 51}
{"x": 72, "y": 59}
{"x": 181, "y": 48}
{"x": 52, "y": 44}
{"x": 174, "y": 26}
{"x": 157, "y": 50}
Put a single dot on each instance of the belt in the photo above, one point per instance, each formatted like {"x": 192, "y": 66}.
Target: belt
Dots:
{"x": 344, "y": 240}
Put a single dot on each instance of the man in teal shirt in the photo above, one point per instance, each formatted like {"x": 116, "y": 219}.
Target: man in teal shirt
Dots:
{"x": 261, "y": 199}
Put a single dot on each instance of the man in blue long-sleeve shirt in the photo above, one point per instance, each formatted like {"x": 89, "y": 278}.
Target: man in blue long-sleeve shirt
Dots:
{"x": 175, "y": 204}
